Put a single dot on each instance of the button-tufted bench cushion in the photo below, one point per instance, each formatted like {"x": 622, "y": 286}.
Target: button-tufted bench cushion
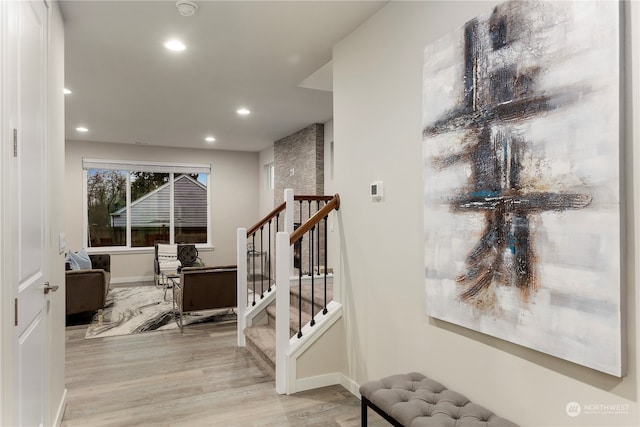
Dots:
{"x": 413, "y": 400}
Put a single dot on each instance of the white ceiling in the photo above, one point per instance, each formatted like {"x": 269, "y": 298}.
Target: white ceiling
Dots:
{"x": 262, "y": 55}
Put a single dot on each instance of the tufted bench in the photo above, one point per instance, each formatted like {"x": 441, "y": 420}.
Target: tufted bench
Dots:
{"x": 413, "y": 400}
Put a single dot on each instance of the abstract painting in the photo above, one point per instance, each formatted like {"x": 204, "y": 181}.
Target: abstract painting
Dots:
{"x": 522, "y": 178}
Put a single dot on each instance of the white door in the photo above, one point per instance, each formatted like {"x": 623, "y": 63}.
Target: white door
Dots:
{"x": 29, "y": 220}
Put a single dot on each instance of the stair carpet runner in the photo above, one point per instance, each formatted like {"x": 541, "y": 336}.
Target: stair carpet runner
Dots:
{"x": 261, "y": 339}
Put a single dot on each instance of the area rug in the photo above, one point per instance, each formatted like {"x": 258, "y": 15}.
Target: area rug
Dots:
{"x": 131, "y": 310}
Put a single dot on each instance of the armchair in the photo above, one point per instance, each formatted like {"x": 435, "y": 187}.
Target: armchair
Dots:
{"x": 205, "y": 288}
{"x": 165, "y": 260}
{"x": 86, "y": 290}
{"x": 172, "y": 257}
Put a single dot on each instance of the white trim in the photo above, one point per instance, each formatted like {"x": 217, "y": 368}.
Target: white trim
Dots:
{"x": 297, "y": 346}
{"x": 209, "y": 215}
{"x": 282, "y": 312}
{"x": 350, "y": 385}
{"x": 85, "y": 204}
{"x": 61, "y": 408}
{"x": 144, "y": 166}
{"x": 127, "y": 213}
{"x": 8, "y": 23}
{"x": 172, "y": 211}
{"x": 311, "y": 334}
{"x": 288, "y": 225}
{"x": 324, "y": 380}
{"x": 318, "y": 381}
{"x": 241, "y": 285}
{"x": 261, "y": 304}
{"x": 129, "y": 203}
{"x": 121, "y": 250}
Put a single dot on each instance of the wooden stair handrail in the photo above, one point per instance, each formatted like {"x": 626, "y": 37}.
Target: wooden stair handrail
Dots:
{"x": 266, "y": 219}
{"x": 332, "y": 204}
{"x": 281, "y": 207}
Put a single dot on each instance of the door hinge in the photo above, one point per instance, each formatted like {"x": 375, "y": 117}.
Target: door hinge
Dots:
{"x": 15, "y": 143}
{"x": 16, "y": 311}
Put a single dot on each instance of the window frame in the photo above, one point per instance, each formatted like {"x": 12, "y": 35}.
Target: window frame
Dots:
{"x": 173, "y": 169}
{"x": 270, "y": 176}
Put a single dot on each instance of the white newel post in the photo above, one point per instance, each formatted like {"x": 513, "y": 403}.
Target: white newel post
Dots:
{"x": 241, "y": 262}
{"x": 283, "y": 267}
{"x": 288, "y": 225}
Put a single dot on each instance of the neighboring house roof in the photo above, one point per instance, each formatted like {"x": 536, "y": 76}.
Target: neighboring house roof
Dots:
{"x": 152, "y": 209}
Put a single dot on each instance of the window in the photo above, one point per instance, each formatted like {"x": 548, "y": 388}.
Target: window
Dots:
{"x": 270, "y": 172}
{"x": 134, "y": 205}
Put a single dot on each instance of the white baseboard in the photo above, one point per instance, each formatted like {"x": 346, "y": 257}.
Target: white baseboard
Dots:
{"x": 334, "y": 378}
{"x": 137, "y": 279}
{"x": 350, "y": 385}
{"x": 318, "y": 381}
{"x": 61, "y": 407}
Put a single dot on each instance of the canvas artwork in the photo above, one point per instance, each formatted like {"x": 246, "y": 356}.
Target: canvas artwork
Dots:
{"x": 522, "y": 179}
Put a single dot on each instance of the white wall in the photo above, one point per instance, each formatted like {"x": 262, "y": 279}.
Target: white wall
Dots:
{"x": 234, "y": 203}
{"x": 377, "y": 128}
{"x": 266, "y": 157}
{"x": 328, "y": 158}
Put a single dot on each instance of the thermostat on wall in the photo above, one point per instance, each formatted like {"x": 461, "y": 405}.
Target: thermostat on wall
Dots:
{"x": 376, "y": 190}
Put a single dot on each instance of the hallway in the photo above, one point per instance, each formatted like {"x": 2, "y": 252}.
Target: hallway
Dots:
{"x": 200, "y": 378}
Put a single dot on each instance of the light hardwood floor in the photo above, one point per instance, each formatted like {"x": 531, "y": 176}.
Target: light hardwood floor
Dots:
{"x": 199, "y": 378}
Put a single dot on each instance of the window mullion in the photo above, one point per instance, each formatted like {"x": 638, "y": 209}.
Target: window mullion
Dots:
{"x": 209, "y": 227}
{"x": 86, "y": 237}
{"x": 128, "y": 202}
{"x": 172, "y": 234}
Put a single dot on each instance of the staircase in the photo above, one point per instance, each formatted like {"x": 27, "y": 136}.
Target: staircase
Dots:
{"x": 286, "y": 345}
{"x": 261, "y": 339}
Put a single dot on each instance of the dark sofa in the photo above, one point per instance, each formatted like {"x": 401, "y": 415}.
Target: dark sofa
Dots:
{"x": 87, "y": 289}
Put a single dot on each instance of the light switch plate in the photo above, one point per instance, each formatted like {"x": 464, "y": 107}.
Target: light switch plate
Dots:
{"x": 62, "y": 242}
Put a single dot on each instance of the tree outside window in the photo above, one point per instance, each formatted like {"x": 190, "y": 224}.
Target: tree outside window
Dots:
{"x": 149, "y": 210}
{"x": 106, "y": 193}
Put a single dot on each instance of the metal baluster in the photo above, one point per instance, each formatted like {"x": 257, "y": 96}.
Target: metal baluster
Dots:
{"x": 253, "y": 279}
{"x": 310, "y": 245}
{"x": 299, "y": 243}
{"x": 324, "y": 311}
{"x": 261, "y": 263}
{"x": 269, "y": 259}
{"x": 313, "y": 308}
{"x": 318, "y": 241}
{"x": 274, "y": 247}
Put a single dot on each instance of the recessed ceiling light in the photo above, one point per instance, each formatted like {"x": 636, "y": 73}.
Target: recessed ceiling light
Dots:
{"x": 66, "y": 91}
{"x": 82, "y": 129}
{"x": 175, "y": 45}
{"x": 243, "y": 111}
{"x": 210, "y": 139}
